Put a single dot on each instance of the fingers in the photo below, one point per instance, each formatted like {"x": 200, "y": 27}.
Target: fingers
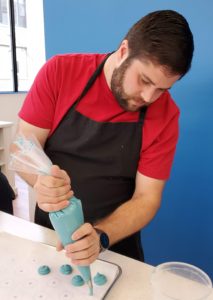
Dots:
{"x": 59, "y": 246}
{"x": 53, "y": 191}
{"x": 82, "y": 231}
{"x": 57, "y": 172}
{"x": 52, "y": 187}
{"x": 49, "y": 207}
{"x": 85, "y": 249}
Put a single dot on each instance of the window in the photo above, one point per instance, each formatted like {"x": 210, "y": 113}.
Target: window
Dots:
{"x": 22, "y": 46}
{"x": 6, "y": 68}
{"x": 20, "y": 12}
{"x": 3, "y": 12}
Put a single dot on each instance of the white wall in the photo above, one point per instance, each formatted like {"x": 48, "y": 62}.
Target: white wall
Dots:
{"x": 10, "y": 105}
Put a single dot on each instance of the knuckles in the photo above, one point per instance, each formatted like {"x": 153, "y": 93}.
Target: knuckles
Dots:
{"x": 88, "y": 227}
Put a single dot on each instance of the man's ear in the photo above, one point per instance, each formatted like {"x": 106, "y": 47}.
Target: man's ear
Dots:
{"x": 122, "y": 52}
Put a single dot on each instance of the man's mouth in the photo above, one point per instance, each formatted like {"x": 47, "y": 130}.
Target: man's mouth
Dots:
{"x": 138, "y": 102}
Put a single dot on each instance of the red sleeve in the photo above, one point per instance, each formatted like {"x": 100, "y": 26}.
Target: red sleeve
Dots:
{"x": 39, "y": 105}
{"x": 160, "y": 139}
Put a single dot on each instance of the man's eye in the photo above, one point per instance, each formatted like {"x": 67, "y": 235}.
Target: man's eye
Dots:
{"x": 144, "y": 81}
{"x": 162, "y": 90}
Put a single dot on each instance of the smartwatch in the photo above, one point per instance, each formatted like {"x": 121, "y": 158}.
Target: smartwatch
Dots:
{"x": 103, "y": 238}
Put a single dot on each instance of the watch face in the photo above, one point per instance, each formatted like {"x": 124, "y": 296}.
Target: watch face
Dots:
{"x": 104, "y": 239}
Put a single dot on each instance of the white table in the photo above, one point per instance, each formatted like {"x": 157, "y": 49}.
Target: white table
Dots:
{"x": 134, "y": 283}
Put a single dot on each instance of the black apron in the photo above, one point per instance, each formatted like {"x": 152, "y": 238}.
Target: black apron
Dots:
{"x": 101, "y": 159}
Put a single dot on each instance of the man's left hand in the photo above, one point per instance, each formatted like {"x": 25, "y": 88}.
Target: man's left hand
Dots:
{"x": 86, "y": 247}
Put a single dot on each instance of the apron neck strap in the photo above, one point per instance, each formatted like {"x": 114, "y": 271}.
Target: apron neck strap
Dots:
{"x": 92, "y": 79}
{"x": 142, "y": 114}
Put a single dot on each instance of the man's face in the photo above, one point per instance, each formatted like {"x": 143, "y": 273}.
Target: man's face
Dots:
{"x": 136, "y": 83}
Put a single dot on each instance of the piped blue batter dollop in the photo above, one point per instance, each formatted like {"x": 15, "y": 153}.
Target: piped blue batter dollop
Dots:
{"x": 100, "y": 279}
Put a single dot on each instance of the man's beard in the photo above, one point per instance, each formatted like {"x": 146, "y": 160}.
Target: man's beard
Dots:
{"x": 117, "y": 87}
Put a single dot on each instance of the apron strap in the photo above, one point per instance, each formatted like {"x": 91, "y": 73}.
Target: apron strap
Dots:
{"x": 92, "y": 79}
{"x": 142, "y": 115}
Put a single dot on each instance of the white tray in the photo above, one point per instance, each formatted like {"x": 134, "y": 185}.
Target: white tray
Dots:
{"x": 19, "y": 278}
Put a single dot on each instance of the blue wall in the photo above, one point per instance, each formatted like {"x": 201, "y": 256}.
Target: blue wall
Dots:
{"x": 183, "y": 229}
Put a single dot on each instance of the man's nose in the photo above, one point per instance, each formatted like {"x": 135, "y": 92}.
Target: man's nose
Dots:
{"x": 147, "y": 94}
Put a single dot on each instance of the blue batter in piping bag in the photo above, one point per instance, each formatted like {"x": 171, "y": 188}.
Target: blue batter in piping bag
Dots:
{"x": 65, "y": 223}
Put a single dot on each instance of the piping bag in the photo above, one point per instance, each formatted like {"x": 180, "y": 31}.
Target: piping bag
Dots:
{"x": 65, "y": 222}
{"x": 28, "y": 156}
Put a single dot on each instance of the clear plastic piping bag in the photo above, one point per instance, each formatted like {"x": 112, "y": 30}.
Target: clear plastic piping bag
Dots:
{"x": 28, "y": 156}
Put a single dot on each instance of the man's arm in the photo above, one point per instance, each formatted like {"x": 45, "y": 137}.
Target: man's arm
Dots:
{"x": 136, "y": 213}
{"x": 41, "y": 134}
{"x": 52, "y": 192}
{"x": 127, "y": 219}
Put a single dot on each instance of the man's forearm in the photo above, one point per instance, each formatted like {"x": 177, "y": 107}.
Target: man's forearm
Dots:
{"x": 129, "y": 218}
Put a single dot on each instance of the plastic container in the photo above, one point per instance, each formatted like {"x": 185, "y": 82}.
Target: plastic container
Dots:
{"x": 180, "y": 281}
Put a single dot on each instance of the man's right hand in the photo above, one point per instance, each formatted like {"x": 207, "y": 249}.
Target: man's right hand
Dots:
{"x": 53, "y": 191}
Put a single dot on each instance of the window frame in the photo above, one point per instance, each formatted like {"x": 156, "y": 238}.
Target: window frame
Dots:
{"x": 13, "y": 45}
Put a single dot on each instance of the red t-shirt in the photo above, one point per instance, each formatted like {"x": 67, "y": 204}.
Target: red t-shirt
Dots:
{"x": 62, "y": 79}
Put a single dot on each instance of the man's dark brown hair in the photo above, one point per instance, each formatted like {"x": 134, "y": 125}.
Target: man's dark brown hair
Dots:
{"x": 164, "y": 37}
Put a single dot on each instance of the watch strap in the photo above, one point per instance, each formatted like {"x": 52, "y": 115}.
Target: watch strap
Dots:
{"x": 103, "y": 239}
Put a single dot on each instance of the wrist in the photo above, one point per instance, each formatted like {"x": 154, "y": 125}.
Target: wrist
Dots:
{"x": 103, "y": 239}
